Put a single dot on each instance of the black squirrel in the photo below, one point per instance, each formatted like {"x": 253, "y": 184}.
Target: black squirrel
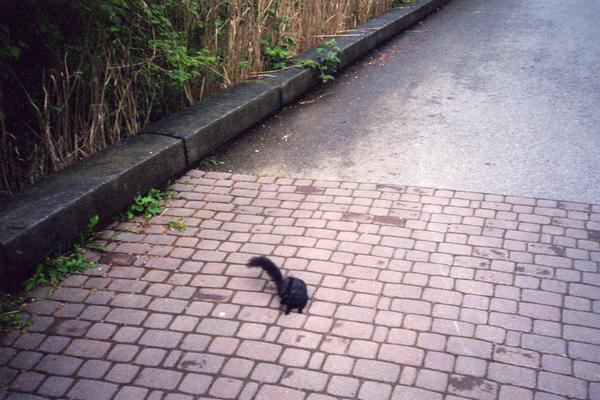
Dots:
{"x": 291, "y": 291}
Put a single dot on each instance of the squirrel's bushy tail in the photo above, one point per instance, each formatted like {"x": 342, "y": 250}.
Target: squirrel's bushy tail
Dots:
{"x": 269, "y": 266}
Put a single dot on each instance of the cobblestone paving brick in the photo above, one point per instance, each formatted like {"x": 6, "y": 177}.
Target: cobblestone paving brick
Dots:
{"x": 416, "y": 293}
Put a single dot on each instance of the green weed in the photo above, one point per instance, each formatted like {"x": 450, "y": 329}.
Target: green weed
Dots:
{"x": 328, "y": 62}
{"x": 54, "y": 269}
{"x": 149, "y": 205}
{"x": 91, "y": 235}
{"x": 277, "y": 57}
{"x": 136, "y": 231}
{"x": 11, "y": 307}
{"x": 62, "y": 265}
{"x": 214, "y": 161}
{"x": 58, "y": 268}
{"x": 177, "y": 224}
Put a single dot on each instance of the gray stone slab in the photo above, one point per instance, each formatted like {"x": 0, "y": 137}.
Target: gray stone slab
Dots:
{"x": 292, "y": 82}
{"x": 57, "y": 209}
{"x": 210, "y": 123}
{"x": 401, "y": 18}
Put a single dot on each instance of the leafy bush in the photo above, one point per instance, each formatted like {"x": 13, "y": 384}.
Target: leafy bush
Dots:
{"x": 328, "y": 62}
{"x": 277, "y": 57}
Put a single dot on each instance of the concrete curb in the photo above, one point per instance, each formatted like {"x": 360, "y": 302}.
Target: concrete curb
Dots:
{"x": 57, "y": 209}
{"x": 206, "y": 125}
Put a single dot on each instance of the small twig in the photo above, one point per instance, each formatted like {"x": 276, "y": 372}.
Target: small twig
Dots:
{"x": 338, "y": 35}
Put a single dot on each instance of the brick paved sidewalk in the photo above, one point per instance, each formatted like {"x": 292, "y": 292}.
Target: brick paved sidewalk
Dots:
{"x": 415, "y": 294}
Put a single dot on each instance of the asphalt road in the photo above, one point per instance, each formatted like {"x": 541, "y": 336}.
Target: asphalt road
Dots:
{"x": 488, "y": 96}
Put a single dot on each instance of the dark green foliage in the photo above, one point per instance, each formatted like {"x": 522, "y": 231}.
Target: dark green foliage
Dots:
{"x": 328, "y": 62}
{"x": 177, "y": 224}
{"x": 58, "y": 268}
{"x": 11, "y": 307}
{"x": 278, "y": 56}
{"x": 149, "y": 205}
{"x": 65, "y": 263}
{"x": 53, "y": 270}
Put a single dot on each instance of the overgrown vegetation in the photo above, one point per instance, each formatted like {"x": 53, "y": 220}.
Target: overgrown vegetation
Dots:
{"x": 76, "y": 76}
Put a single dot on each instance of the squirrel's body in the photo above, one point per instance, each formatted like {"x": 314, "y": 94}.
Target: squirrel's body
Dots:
{"x": 292, "y": 291}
